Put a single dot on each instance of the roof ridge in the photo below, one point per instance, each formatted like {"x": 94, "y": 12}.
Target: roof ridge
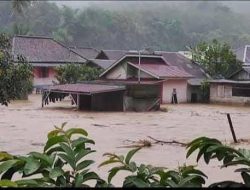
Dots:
{"x": 27, "y": 36}
{"x": 82, "y": 47}
{"x": 114, "y": 50}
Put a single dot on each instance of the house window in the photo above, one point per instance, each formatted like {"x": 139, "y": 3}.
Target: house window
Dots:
{"x": 242, "y": 91}
{"x": 44, "y": 72}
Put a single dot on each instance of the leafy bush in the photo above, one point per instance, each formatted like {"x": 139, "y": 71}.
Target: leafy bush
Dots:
{"x": 210, "y": 148}
{"x": 73, "y": 73}
{"x": 15, "y": 79}
{"x": 61, "y": 164}
{"x": 149, "y": 176}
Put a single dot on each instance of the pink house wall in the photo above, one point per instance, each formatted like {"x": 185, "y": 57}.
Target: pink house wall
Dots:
{"x": 181, "y": 89}
{"x": 38, "y": 80}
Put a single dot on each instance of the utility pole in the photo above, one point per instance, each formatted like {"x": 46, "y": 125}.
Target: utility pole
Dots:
{"x": 139, "y": 72}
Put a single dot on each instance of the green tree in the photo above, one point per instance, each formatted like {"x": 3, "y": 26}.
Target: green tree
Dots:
{"x": 15, "y": 79}
{"x": 73, "y": 73}
{"x": 19, "y": 5}
{"x": 216, "y": 58}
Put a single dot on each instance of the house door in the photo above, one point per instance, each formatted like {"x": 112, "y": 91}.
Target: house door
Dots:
{"x": 193, "y": 98}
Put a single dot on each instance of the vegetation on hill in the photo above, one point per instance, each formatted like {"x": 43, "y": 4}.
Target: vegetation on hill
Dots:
{"x": 157, "y": 25}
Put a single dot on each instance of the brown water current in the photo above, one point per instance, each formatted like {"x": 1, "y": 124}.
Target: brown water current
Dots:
{"x": 24, "y": 126}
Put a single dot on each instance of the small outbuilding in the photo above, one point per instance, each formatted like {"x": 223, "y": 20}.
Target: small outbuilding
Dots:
{"x": 230, "y": 91}
{"x": 94, "y": 97}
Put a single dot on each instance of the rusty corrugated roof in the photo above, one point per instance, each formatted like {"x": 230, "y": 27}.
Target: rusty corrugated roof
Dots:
{"x": 85, "y": 88}
{"x": 164, "y": 71}
{"x": 176, "y": 59}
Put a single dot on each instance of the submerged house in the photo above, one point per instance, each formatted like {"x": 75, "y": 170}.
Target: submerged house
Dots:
{"x": 44, "y": 54}
{"x": 87, "y": 96}
{"x": 230, "y": 91}
{"x": 194, "y": 92}
{"x": 149, "y": 80}
{"x": 177, "y": 59}
{"x": 234, "y": 90}
{"x": 140, "y": 84}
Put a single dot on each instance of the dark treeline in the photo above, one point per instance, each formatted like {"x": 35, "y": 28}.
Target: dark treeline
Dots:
{"x": 158, "y": 26}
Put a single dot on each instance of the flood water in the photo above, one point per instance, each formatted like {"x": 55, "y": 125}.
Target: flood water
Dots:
{"x": 24, "y": 126}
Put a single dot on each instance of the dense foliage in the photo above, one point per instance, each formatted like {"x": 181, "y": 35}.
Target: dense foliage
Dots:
{"x": 210, "y": 148}
{"x": 134, "y": 26}
{"x": 61, "y": 164}
{"x": 15, "y": 79}
{"x": 64, "y": 162}
{"x": 73, "y": 73}
{"x": 145, "y": 176}
{"x": 216, "y": 58}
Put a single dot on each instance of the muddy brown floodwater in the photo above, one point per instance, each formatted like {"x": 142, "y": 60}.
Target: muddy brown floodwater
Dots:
{"x": 24, "y": 126}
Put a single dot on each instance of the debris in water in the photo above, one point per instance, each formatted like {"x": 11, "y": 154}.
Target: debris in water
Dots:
{"x": 37, "y": 144}
{"x": 98, "y": 125}
{"x": 167, "y": 142}
{"x": 137, "y": 144}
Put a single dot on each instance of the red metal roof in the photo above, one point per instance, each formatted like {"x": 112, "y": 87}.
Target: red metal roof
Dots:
{"x": 85, "y": 88}
{"x": 164, "y": 71}
{"x": 176, "y": 59}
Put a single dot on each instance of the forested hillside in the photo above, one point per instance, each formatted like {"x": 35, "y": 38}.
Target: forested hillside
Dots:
{"x": 158, "y": 25}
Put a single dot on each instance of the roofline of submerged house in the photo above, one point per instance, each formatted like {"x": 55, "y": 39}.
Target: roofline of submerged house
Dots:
{"x": 130, "y": 55}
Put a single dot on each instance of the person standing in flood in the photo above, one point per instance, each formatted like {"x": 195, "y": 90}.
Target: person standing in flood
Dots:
{"x": 174, "y": 97}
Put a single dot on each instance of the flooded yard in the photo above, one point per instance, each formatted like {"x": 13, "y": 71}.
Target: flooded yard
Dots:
{"x": 24, "y": 126}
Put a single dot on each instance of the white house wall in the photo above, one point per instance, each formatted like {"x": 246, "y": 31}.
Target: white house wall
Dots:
{"x": 181, "y": 90}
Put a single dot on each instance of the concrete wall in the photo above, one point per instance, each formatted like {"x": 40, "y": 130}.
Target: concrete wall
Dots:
{"x": 222, "y": 93}
{"x": 181, "y": 89}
